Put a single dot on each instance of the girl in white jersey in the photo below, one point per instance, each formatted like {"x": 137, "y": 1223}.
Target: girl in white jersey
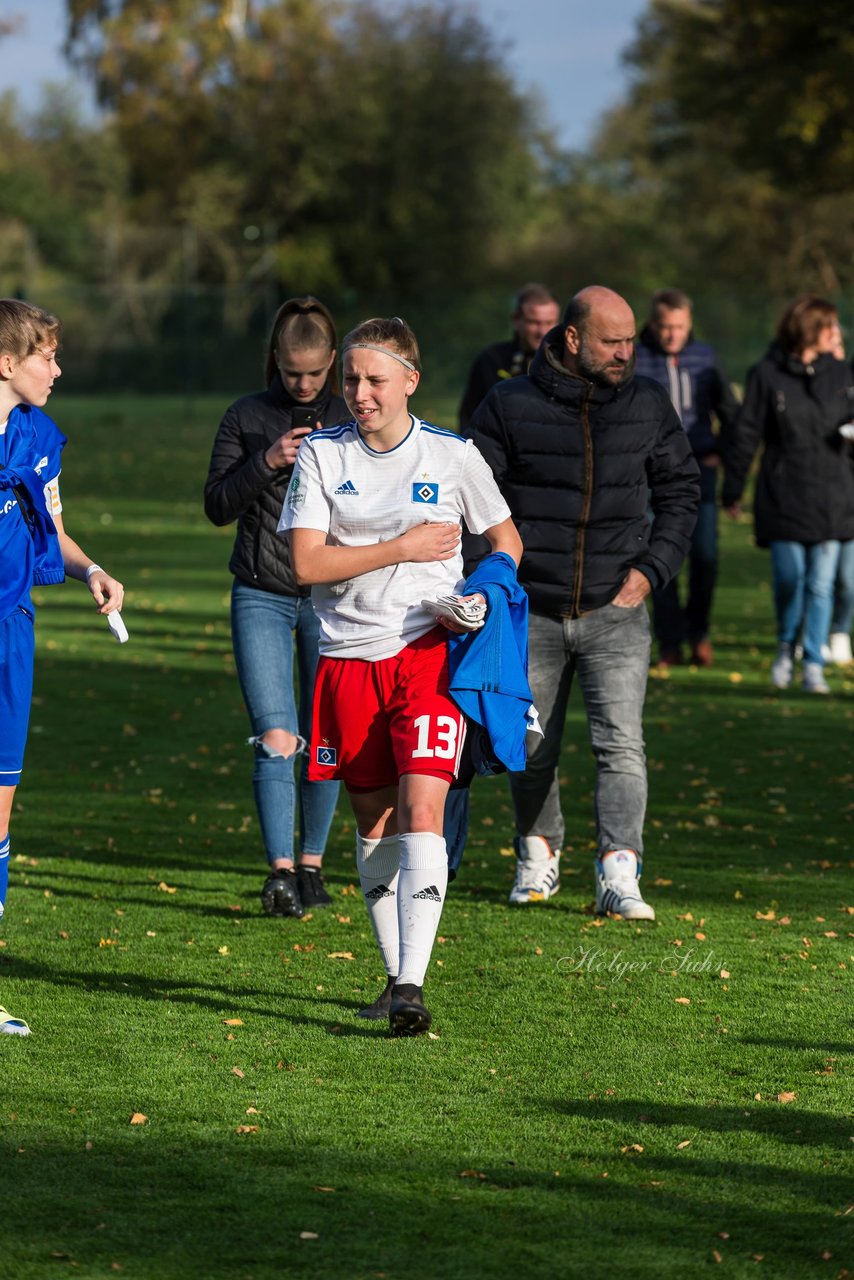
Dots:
{"x": 374, "y": 511}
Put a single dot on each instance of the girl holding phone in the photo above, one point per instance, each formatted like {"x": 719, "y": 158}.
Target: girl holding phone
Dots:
{"x": 271, "y": 614}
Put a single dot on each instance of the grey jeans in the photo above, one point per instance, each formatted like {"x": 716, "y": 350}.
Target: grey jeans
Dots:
{"x": 608, "y": 650}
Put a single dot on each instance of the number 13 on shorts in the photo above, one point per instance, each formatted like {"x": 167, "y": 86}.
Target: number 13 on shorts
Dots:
{"x": 437, "y": 738}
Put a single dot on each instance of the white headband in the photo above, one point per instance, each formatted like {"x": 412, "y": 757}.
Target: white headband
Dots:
{"x": 373, "y": 346}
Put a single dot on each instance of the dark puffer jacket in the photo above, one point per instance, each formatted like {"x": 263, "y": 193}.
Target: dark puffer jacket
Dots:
{"x": 242, "y": 487}
{"x": 805, "y": 487}
{"x": 579, "y": 465}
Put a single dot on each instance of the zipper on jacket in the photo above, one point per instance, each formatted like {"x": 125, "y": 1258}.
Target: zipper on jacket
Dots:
{"x": 256, "y": 548}
{"x": 585, "y": 510}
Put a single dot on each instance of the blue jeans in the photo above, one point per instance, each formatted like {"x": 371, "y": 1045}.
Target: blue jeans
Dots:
{"x": 608, "y": 650}
{"x": 672, "y": 623}
{"x": 264, "y": 627}
{"x": 843, "y": 598}
{"x": 804, "y": 574}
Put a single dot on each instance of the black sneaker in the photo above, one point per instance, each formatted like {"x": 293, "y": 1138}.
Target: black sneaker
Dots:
{"x": 280, "y": 895}
{"x": 311, "y": 888}
{"x": 407, "y": 1015}
{"x": 380, "y": 1007}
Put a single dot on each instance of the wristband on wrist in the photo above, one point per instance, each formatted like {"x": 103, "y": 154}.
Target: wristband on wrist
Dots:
{"x": 93, "y": 568}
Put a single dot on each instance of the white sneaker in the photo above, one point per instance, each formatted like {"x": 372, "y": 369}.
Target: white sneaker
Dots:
{"x": 783, "y": 667}
{"x": 617, "y": 889}
{"x": 813, "y": 678}
{"x": 840, "y": 648}
{"x": 537, "y": 871}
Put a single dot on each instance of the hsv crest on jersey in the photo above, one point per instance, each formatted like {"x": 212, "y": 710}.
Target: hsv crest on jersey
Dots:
{"x": 326, "y": 756}
{"x": 422, "y": 491}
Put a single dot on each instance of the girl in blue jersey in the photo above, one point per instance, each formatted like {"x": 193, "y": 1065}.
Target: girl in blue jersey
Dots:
{"x": 34, "y": 547}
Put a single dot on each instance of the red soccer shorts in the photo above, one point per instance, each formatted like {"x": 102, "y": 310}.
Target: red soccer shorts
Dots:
{"x": 375, "y": 721}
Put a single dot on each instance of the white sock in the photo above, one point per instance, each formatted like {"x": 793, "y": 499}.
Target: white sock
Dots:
{"x": 420, "y": 898}
{"x": 378, "y": 862}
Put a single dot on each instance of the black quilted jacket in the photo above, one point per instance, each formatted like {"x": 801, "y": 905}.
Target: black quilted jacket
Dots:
{"x": 242, "y": 487}
{"x": 580, "y": 467}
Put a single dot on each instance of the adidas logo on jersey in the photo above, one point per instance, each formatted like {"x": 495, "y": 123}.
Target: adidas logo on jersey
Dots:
{"x": 381, "y": 891}
{"x": 349, "y": 488}
{"x": 430, "y": 892}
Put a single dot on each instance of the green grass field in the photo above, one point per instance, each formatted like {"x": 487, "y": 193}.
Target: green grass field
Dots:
{"x": 598, "y": 1099}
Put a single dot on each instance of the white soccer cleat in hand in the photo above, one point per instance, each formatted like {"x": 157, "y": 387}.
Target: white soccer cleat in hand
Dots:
{"x": 467, "y": 613}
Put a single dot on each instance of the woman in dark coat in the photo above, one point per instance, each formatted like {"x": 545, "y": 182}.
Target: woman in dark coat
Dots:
{"x": 250, "y": 470}
{"x": 796, "y": 398}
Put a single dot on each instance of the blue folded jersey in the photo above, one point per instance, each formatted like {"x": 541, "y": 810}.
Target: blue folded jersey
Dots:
{"x": 489, "y": 668}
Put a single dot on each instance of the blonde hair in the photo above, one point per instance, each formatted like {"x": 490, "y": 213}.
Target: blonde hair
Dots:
{"x": 394, "y": 333}
{"x": 301, "y": 324}
{"x": 25, "y": 328}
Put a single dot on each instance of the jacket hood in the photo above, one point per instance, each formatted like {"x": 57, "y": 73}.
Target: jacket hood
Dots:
{"x": 794, "y": 365}
{"x": 556, "y": 381}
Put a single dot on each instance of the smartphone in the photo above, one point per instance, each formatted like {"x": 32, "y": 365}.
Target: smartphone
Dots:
{"x": 304, "y": 418}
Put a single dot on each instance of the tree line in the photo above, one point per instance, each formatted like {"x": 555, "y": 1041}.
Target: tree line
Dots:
{"x": 361, "y": 150}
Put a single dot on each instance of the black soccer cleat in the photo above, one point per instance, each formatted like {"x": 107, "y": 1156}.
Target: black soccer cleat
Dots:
{"x": 380, "y": 1008}
{"x": 407, "y": 1015}
{"x": 280, "y": 895}
{"x": 312, "y": 890}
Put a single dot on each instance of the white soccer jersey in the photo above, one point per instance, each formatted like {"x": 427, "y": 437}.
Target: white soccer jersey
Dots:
{"x": 360, "y": 497}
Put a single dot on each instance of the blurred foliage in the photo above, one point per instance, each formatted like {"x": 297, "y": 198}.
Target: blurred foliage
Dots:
{"x": 381, "y": 156}
{"x": 730, "y": 160}
{"x": 351, "y": 135}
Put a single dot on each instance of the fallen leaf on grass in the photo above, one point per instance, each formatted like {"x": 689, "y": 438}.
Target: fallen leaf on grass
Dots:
{"x": 767, "y": 915}
{"x": 252, "y": 1111}
{"x": 138, "y": 1118}
{"x": 235, "y": 1071}
{"x": 232, "y": 1022}
{"x": 717, "y": 1257}
{"x": 309, "y": 1235}
{"x": 323, "y": 1188}
{"x": 660, "y": 883}
{"x": 724, "y": 973}
{"x": 432, "y": 1035}
{"x": 167, "y": 888}
{"x": 473, "y": 1173}
{"x": 786, "y": 1097}
{"x": 680, "y": 1146}
{"x": 108, "y": 942}
{"x": 682, "y": 1000}
{"x": 247, "y": 1128}
{"x": 340, "y": 955}
{"x": 222, "y": 951}
{"x": 635, "y": 1146}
